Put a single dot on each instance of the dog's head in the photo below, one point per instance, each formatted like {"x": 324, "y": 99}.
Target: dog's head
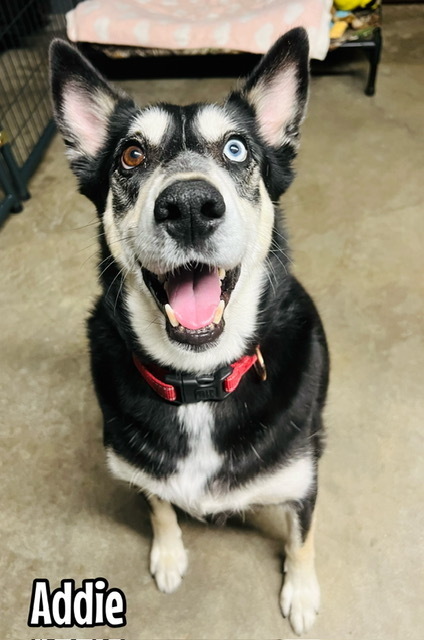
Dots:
{"x": 186, "y": 196}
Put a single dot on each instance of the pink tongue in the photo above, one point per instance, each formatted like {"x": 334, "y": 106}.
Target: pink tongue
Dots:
{"x": 194, "y": 296}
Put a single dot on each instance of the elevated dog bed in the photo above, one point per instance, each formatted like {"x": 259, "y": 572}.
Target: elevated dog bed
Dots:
{"x": 157, "y": 27}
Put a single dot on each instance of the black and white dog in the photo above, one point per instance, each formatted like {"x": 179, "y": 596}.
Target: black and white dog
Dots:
{"x": 209, "y": 358}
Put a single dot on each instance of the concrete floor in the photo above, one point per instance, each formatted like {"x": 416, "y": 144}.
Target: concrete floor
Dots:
{"x": 356, "y": 218}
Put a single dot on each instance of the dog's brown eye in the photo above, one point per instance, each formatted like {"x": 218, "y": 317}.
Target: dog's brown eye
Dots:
{"x": 132, "y": 157}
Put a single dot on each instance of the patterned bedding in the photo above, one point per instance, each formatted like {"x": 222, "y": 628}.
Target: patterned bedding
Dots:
{"x": 184, "y": 25}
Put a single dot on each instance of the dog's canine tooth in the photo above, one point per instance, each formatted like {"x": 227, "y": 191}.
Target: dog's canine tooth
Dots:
{"x": 171, "y": 315}
{"x": 221, "y": 273}
{"x": 219, "y": 311}
{"x": 162, "y": 278}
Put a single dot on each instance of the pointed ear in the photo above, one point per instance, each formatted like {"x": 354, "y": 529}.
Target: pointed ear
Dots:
{"x": 277, "y": 89}
{"x": 82, "y": 99}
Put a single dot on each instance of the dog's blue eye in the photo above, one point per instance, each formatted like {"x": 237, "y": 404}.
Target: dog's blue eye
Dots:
{"x": 235, "y": 150}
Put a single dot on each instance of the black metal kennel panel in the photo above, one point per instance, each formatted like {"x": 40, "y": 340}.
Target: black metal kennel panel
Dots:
{"x": 26, "y": 126}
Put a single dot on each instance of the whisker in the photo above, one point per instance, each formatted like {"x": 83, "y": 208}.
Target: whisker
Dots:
{"x": 123, "y": 277}
{"x": 111, "y": 284}
{"x": 107, "y": 266}
{"x": 280, "y": 261}
{"x": 84, "y": 226}
{"x": 270, "y": 273}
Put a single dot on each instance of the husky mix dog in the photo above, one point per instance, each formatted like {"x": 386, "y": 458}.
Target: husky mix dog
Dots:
{"x": 208, "y": 357}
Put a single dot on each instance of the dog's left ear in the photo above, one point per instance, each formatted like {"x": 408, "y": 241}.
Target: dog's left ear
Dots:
{"x": 277, "y": 89}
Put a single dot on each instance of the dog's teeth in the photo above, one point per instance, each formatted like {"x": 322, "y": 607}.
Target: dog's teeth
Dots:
{"x": 221, "y": 273}
{"x": 171, "y": 315}
{"x": 162, "y": 278}
{"x": 218, "y": 313}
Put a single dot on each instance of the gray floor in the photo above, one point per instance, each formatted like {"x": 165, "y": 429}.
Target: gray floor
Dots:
{"x": 356, "y": 218}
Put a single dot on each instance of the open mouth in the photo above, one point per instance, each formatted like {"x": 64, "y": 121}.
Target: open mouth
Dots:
{"x": 193, "y": 299}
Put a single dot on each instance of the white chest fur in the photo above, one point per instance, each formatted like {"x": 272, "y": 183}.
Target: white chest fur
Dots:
{"x": 188, "y": 486}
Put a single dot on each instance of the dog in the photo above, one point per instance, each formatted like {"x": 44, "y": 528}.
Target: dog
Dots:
{"x": 209, "y": 358}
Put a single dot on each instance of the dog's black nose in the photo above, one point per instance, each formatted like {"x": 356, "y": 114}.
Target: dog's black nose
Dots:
{"x": 190, "y": 209}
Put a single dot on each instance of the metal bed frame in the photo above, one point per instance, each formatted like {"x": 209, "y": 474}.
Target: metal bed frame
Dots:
{"x": 26, "y": 125}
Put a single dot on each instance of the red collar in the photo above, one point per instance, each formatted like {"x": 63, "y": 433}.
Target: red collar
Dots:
{"x": 183, "y": 388}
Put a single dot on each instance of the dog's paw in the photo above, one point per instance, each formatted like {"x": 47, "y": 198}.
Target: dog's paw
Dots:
{"x": 168, "y": 564}
{"x": 300, "y": 599}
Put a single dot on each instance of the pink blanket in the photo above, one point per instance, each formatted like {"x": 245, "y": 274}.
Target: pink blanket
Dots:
{"x": 238, "y": 25}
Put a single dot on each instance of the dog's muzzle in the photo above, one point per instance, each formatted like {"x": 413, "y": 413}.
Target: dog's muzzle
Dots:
{"x": 190, "y": 211}
{"x": 193, "y": 295}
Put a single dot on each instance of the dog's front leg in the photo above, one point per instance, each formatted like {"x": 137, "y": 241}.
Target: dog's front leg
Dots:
{"x": 300, "y": 596}
{"x": 168, "y": 558}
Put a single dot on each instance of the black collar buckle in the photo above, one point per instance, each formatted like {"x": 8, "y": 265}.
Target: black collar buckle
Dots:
{"x": 201, "y": 388}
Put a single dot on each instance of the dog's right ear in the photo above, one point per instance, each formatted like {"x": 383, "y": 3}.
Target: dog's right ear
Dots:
{"x": 83, "y": 102}
{"x": 277, "y": 89}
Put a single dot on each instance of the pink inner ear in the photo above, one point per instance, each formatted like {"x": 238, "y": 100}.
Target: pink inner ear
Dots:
{"x": 86, "y": 116}
{"x": 276, "y": 105}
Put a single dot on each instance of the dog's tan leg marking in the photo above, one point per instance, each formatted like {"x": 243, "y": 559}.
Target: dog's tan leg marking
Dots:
{"x": 168, "y": 558}
{"x": 300, "y": 596}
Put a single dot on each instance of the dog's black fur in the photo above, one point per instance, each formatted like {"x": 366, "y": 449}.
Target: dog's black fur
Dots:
{"x": 262, "y": 425}
{"x": 289, "y": 402}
